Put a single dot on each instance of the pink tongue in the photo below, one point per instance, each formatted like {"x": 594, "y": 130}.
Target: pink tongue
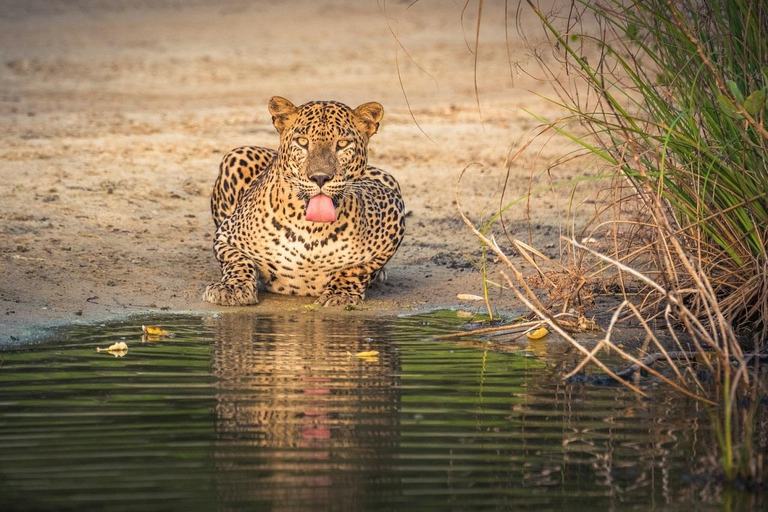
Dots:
{"x": 320, "y": 209}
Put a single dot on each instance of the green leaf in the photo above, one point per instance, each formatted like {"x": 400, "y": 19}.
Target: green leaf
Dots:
{"x": 727, "y": 107}
{"x": 734, "y": 88}
{"x": 754, "y": 103}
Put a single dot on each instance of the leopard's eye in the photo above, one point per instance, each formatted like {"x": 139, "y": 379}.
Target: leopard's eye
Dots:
{"x": 302, "y": 141}
{"x": 341, "y": 144}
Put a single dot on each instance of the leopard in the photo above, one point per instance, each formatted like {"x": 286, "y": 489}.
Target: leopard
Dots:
{"x": 310, "y": 218}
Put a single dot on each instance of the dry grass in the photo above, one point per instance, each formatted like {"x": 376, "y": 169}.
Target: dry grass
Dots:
{"x": 673, "y": 98}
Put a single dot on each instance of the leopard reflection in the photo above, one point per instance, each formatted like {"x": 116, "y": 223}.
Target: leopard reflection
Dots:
{"x": 299, "y": 417}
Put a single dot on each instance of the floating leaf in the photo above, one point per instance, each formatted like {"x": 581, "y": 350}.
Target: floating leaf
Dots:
{"x": 754, "y": 103}
{"x": 119, "y": 349}
{"x": 151, "y": 330}
{"x": 727, "y": 107}
{"x": 537, "y": 334}
{"x": 469, "y": 296}
{"x": 367, "y": 354}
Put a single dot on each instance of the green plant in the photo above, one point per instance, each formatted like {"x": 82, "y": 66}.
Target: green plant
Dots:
{"x": 677, "y": 102}
{"x": 674, "y": 93}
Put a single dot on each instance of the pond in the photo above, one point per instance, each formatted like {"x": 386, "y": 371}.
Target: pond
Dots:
{"x": 246, "y": 411}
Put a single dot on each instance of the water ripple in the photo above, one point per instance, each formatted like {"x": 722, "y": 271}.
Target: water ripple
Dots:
{"x": 249, "y": 411}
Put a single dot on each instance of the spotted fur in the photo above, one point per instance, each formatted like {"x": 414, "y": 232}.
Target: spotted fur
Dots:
{"x": 260, "y": 197}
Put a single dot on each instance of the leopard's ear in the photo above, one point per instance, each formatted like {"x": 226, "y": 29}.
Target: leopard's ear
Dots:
{"x": 368, "y": 116}
{"x": 283, "y": 113}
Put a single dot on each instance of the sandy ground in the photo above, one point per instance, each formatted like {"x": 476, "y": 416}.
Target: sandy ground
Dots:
{"x": 114, "y": 116}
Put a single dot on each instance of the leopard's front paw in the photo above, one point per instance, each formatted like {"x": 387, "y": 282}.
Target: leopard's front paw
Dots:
{"x": 231, "y": 295}
{"x": 329, "y": 299}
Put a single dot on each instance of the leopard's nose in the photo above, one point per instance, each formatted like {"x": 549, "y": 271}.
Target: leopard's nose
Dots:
{"x": 320, "y": 179}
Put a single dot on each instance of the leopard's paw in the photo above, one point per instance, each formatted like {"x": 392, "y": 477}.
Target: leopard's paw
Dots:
{"x": 231, "y": 295}
{"x": 329, "y": 299}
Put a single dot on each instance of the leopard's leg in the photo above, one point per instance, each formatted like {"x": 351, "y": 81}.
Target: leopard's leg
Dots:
{"x": 238, "y": 170}
{"x": 238, "y": 286}
{"x": 347, "y": 286}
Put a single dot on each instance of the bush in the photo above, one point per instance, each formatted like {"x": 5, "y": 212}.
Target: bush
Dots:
{"x": 681, "y": 90}
{"x": 676, "y": 100}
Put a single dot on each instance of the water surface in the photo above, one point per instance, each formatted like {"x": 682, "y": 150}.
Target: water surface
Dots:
{"x": 276, "y": 412}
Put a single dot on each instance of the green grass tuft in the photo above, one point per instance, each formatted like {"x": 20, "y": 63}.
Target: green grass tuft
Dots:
{"x": 682, "y": 91}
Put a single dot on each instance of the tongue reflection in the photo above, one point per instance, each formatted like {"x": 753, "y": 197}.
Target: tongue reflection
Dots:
{"x": 320, "y": 209}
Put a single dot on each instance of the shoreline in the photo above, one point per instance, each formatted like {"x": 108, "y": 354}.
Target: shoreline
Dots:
{"x": 31, "y": 331}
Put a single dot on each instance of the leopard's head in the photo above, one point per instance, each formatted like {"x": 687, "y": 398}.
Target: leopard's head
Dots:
{"x": 323, "y": 144}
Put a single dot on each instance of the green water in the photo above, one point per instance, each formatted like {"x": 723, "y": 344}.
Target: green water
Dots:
{"x": 249, "y": 412}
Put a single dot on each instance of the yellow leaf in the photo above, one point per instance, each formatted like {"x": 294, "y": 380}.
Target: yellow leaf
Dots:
{"x": 119, "y": 349}
{"x": 537, "y": 334}
{"x": 468, "y": 296}
{"x": 368, "y": 353}
{"x": 154, "y": 331}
